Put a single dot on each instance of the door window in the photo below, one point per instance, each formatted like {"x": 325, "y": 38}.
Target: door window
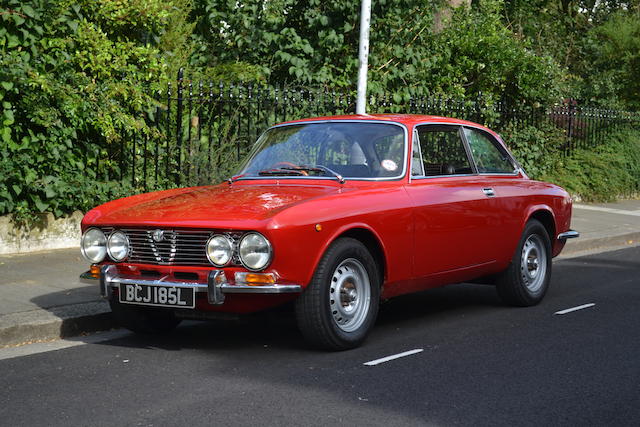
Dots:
{"x": 489, "y": 157}
{"x": 441, "y": 152}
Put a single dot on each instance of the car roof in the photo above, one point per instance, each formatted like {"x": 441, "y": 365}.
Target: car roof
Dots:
{"x": 407, "y": 119}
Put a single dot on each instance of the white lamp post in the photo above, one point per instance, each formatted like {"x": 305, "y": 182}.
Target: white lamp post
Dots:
{"x": 363, "y": 56}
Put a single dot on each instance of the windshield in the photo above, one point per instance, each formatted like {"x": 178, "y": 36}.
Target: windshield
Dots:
{"x": 335, "y": 150}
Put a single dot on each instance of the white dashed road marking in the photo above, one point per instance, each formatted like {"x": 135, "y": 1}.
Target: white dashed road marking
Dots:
{"x": 569, "y": 310}
{"x": 393, "y": 357}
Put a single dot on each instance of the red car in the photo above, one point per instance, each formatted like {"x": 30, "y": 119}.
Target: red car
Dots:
{"x": 332, "y": 213}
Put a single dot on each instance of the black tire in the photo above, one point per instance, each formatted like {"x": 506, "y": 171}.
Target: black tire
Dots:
{"x": 341, "y": 272}
{"x": 525, "y": 282}
{"x": 143, "y": 320}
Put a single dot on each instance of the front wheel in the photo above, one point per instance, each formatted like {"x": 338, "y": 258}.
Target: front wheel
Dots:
{"x": 526, "y": 280}
{"x": 340, "y": 305}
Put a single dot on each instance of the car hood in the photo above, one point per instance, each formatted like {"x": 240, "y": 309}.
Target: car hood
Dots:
{"x": 223, "y": 205}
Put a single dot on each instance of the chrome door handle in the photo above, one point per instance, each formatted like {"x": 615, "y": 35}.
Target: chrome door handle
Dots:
{"x": 489, "y": 192}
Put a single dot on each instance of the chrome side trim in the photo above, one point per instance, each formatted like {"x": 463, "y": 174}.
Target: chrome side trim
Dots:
{"x": 266, "y": 289}
{"x": 571, "y": 234}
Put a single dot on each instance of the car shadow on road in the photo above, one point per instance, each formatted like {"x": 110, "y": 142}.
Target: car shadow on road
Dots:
{"x": 277, "y": 328}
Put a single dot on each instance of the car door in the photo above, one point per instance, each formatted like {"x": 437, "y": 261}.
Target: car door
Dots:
{"x": 454, "y": 226}
{"x": 500, "y": 179}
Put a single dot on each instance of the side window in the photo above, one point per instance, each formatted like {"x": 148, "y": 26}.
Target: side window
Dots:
{"x": 442, "y": 151}
{"x": 416, "y": 157}
{"x": 488, "y": 156}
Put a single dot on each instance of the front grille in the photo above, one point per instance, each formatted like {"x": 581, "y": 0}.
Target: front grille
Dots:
{"x": 176, "y": 247}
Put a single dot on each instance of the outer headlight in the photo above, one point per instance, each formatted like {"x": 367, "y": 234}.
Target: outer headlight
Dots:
{"x": 219, "y": 250}
{"x": 118, "y": 246}
{"x": 255, "y": 251}
{"x": 93, "y": 245}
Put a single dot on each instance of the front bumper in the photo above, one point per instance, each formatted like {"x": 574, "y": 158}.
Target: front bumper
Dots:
{"x": 215, "y": 287}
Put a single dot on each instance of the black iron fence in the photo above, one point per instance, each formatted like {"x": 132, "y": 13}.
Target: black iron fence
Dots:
{"x": 200, "y": 131}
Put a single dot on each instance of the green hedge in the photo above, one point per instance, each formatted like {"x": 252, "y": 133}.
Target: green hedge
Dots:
{"x": 599, "y": 174}
{"x": 602, "y": 174}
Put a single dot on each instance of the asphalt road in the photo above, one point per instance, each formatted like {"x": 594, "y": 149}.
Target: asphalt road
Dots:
{"x": 482, "y": 364}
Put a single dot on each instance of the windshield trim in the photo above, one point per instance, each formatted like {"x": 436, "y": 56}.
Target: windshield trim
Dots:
{"x": 331, "y": 178}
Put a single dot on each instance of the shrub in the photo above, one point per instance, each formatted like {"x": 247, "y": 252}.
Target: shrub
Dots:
{"x": 603, "y": 173}
{"x": 73, "y": 76}
{"x": 537, "y": 147}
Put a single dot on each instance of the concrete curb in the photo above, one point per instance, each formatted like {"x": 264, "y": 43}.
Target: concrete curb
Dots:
{"x": 580, "y": 246}
{"x": 72, "y": 320}
{"x": 56, "y": 322}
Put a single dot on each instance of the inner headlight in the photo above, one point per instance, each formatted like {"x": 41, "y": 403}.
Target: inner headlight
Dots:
{"x": 118, "y": 246}
{"x": 219, "y": 250}
{"x": 255, "y": 251}
{"x": 93, "y": 245}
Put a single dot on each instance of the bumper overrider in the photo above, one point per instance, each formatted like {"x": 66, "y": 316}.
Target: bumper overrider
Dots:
{"x": 215, "y": 287}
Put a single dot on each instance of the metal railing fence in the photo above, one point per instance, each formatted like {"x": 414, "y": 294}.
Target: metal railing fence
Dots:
{"x": 200, "y": 131}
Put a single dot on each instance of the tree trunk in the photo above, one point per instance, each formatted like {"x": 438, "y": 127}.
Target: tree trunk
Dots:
{"x": 443, "y": 15}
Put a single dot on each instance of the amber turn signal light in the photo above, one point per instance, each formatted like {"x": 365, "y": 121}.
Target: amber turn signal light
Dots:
{"x": 255, "y": 279}
{"x": 95, "y": 271}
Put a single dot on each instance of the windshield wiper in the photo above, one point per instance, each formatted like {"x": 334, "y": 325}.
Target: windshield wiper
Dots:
{"x": 235, "y": 178}
{"x": 317, "y": 168}
{"x": 283, "y": 171}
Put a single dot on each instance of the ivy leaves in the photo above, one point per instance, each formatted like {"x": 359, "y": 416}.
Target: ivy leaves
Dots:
{"x": 73, "y": 75}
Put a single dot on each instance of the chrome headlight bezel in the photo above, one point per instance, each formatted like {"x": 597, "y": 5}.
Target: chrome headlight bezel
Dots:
{"x": 229, "y": 250}
{"x": 102, "y": 246}
{"x": 124, "y": 243}
{"x": 244, "y": 241}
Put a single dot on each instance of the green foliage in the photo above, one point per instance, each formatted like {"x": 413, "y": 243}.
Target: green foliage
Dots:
{"x": 74, "y": 77}
{"x": 477, "y": 53}
{"x": 537, "y": 147}
{"x": 597, "y": 41}
{"x": 598, "y": 174}
{"x": 315, "y": 43}
{"x": 604, "y": 173}
{"x": 614, "y": 50}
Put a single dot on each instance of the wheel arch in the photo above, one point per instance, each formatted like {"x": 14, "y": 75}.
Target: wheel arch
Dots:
{"x": 369, "y": 239}
{"x": 545, "y": 216}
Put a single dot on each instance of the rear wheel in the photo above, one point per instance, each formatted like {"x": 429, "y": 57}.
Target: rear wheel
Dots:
{"x": 526, "y": 280}
{"x": 143, "y": 320}
{"x": 340, "y": 305}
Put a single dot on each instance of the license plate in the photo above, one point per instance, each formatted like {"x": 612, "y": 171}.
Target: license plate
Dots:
{"x": 165, "y": 296}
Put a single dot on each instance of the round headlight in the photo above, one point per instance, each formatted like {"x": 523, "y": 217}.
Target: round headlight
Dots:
{"x": 118, "y": 246}
{"x": 255, "y": 251}
{"x": 219, "y": 250}
{"x": 93, "y": 245}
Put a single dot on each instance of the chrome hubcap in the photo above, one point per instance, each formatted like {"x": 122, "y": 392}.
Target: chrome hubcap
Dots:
{"x": 533, "y": 265}
{"x": 349, "y": 295}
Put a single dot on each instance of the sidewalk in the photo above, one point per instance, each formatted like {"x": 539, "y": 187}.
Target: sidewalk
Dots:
{"x": 41, "y": 298}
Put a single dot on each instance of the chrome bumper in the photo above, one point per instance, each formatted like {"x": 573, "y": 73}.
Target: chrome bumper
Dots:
{"x": 571, "y": 234}
{"x": 215, "y": 287}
